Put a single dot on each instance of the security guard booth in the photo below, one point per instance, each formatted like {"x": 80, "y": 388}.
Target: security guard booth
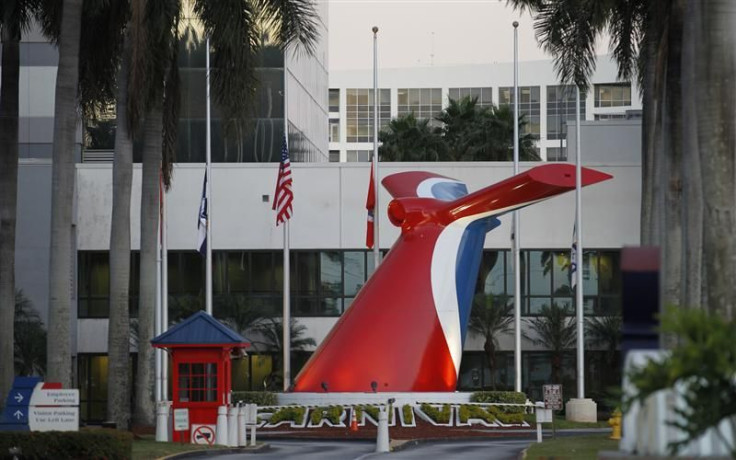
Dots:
{"x": 201, "y": 350}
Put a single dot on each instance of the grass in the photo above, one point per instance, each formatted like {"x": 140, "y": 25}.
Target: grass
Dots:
{"x": 571, "y": 447}
{"x": 147, "y": 448}
{"x": 562, "y": 424}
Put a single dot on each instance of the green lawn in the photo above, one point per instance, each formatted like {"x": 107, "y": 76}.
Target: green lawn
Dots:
{"x": 562, "y": 424}
{"x": 147, "y": 448}
{"x": 571, "y": 447}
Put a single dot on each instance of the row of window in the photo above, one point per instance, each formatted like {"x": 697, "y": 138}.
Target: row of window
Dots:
{"x": 324, "y": 283}
{"x": 427, "y": 103}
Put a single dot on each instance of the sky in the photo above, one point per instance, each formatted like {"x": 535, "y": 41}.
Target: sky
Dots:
{"x": 416, "y": 33}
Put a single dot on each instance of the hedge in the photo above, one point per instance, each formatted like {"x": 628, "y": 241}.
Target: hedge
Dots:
{"x": 438, "y": 415}
{"x": 408, "y": 413}
{"x": 57, "y": 445}
{"x": 293, "y": 413}
{"x": 331, "y": 413}
{"x": 507, "y": 397}
{"x": 373, "y": 411}
{"x": 262, "y": 398}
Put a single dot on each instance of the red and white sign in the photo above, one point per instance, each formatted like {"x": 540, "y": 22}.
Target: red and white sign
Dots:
{"x": 203, "y": 434}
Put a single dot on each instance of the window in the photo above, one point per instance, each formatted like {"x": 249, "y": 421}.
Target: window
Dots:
{"x": 561, "y": 110}
{"x": 334, "y": 156}
{"x": 529, "y": 106}
{"x": 484, "y": 96}
{"x": 92, "y": 387}
{"x": 359, "y": 115}
{"x": 612, "y": 95}
{"x": 358, "y": 155}
{"x": 424, "y": 103}
{"x": 334, "y": 130}
{"x": 556, "y": 154}
{"x": 334, "y": 100}
{"x": 197, "y": 382}
{"x": 94, "y": 284}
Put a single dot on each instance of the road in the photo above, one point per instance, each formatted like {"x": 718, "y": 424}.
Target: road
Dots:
{"x": 341, "y": 450}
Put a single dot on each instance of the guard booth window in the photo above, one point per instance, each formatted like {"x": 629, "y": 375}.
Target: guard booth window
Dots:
{"x": 197, "y": 382}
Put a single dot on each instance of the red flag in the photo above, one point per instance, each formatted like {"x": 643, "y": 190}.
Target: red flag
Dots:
{"x": 370, "y": 205}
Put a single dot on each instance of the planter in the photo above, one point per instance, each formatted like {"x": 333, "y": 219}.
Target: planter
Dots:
{"x": 407, "y": 423}
{"x": 298, "y": 424}
{"x": 324, "y": 421}
{"x": 420, "y": 412}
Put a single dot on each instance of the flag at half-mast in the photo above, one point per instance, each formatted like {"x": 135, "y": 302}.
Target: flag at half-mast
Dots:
{"x": 370, "y": 205}
{"x": 283, "y": 196}
{"x": 202, "y": 220}
{"x": 574, "y": 257}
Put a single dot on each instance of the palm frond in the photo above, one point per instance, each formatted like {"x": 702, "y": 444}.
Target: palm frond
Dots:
{"x": 292, "y": 22}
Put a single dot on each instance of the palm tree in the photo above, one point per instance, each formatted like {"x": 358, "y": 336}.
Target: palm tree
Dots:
{"x": 490, "y": 317}
{"x": 234, "y": 29}
{"x": 553, "y": 330}
{"x": 688, "y": 132}
{"x": 409, "y": 139}
{"x": 272, "y": 332}
{"x": 605, "y": 331}
{"x": 14, "y": 18}
{"x": 30, "y": 338}
{"x": 62, "y": 193}
{"x": 473, "y": 133}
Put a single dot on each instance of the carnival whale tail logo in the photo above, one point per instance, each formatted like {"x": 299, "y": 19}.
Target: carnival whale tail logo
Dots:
{"x": 405, "y": 329}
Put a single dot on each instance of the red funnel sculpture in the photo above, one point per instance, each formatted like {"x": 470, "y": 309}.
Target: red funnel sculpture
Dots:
{"x": 406, "y": 328}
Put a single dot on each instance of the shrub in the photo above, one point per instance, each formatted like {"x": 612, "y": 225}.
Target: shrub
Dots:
{"x": 505, "y": 414}
{"x": 293, "y": 413}
{"x": 373, "y": 411}
{"x": 408, "y": 413}
{"x": 438, "y": 415}
{"x": 331, "y": 413}
{"x": 261, "y": 398}
{"x": 468, "y": 411}
{"x": 87, "y": 443}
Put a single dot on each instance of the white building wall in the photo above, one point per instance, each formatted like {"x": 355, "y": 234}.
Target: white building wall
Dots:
{"x": 495, "y": 75}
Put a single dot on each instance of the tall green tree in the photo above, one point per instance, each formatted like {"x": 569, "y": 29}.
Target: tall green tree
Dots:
{"x": 679, "y": 52}
{"x": 30, "y": 338}
{"x": 409, "y": 139}
{"x": 554, "y": 330}
{"x": 271, "y": 332}
{"x": 491, "y": 316}
{"x": 15, "y": 16}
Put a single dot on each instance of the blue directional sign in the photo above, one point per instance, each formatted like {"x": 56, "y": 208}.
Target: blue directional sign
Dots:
{"x": 15, "y": 415}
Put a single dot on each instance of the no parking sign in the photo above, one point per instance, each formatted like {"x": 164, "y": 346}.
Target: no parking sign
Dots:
{"x": 203, "y": 434}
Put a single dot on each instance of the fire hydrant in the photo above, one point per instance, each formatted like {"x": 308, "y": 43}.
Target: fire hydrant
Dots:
{"x": 615, "y": 422}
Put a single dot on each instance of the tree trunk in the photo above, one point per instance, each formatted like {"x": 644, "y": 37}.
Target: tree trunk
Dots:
{"x": 118, "y": 342}
{"x": 715, "y": 71}
{"x": 692, "y": 238}
{"x": 672, "y": 248}
{"x": 490, "y": 350}
{"x": 62, "y": 198}
{"x": 144, "y": 406}
{"x": 8, "y": 197}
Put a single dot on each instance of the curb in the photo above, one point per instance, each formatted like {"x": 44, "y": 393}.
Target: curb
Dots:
{"x": 215, "y": 452}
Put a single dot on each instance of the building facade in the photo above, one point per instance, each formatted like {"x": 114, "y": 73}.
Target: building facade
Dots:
{"x": 548, "y": 107}
{"x": 329, "y": 263}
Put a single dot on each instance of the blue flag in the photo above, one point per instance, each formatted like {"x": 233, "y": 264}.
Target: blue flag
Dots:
{"x": 202, "y": 220}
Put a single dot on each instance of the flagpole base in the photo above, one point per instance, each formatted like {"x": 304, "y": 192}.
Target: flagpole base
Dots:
{"x": 581, "y": 410}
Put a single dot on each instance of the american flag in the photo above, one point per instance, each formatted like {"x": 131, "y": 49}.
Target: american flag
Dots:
{"x": 283, "y": 196}
{"x": 574, "y": 258}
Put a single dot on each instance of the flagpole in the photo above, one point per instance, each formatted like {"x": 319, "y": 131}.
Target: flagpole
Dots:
{"x": 157, "y": 315}
{"x": 164, "y": 296}
{"x": 516, "y": 227}
{"x": 579, "y": 251}
{"x": 208, "y": 268}
{"x": 286, "y": 323}
{"x": 376, "y": 213}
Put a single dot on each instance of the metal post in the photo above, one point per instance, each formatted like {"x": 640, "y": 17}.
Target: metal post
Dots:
{"x": 286, "y": 320}
{"x": 208, "y": 274}
{"x": 579, "y": 253}
{"x": 516, "y": 225}
{"x": 376, "y": 212}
